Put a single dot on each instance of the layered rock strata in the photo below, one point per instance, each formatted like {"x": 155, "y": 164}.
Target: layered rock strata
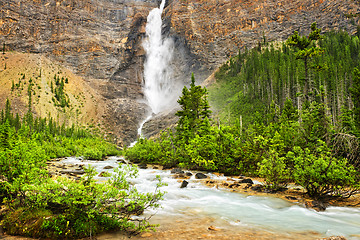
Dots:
{"x": 101, "y": 40}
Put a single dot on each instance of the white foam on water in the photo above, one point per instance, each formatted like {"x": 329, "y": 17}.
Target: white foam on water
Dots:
{"x": 237, "y": 209}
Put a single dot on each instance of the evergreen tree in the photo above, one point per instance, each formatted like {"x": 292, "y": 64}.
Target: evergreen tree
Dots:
{"x": 306, "y": 50}
{"x": 355, "y": 95}
{"x": 8, "y": 114}
{"x": 5, "y": 135}
{"x": 194, "y": 110}
{"x": 289, "y": 112}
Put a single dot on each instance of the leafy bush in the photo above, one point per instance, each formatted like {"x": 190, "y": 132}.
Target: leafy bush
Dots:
{"x": 274, "y": 169}
{"x": 83, "y": 208}
{"x": 323, "y": 175}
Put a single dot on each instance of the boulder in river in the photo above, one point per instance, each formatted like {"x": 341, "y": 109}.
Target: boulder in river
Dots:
{"x": 200, "y": 176}
{"x": 121, "y": 160}
{"x": 317, "y": 205}
{"x": 246, "y": 180}
{"x": 108, "y": 167}
{"x": 176, "y": 171}
{"x": 257, "y": 188}
{"x": 189, "y": 174}
{"x": 184, "y": 184}
{"x": 72, "y": 172}
{"x": 142, "y": 166}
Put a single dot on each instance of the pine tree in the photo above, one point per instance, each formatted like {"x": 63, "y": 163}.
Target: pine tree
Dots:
{"x": 8, "y": 114}
{"x": 355, "y": 95}
{"x": 194, "y": 110}
{"x": 306, "y": 50}
{"x": 289, "y": 112}
{"x": 5, "y": 135}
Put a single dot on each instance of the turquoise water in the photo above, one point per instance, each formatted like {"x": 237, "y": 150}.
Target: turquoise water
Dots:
{"x": 237, "y": 209}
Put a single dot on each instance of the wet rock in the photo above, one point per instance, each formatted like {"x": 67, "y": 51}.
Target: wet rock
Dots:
{"x": 166, "y": 167}
{"x": 200, "y": 176}
{"x": 246, "y": 180}
{"x": 335, "y": 238}
{"x": 234, "y": 185}
{"x": 120, "y": 160}
{"x": 176, "y": 171}
{"x": 257, "y": 188}
{"x": 184, "y": 184}
{"x": 317, "y": 205}
{"x": 80, "y": 167}
{"x": 142, "y": 166}
{"x": 291, "y": 198}
{"x": 212, "y": 228}
{"x": 72, "y": 172}
{"x": 104, "y": 174}
{"x": 189, "y": 174}
{"x": 136, "y": 161}
{"x": 108, "y": 167}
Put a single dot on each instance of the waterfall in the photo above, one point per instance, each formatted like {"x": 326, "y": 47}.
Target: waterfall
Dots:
{"x": 157, "y": 73}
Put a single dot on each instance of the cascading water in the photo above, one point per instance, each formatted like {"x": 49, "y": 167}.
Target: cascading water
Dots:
{"x": 238, "y": 210}
{"x": 159, "y": 90}
{"x": 158, "y": 87}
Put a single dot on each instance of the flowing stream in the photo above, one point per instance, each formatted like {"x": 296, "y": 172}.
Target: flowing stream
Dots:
{"x": 238, "y": 210}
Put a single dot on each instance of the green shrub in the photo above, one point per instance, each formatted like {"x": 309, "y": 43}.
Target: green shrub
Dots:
{"x": 77, "y": 209}
{"x": 323, "y": 175}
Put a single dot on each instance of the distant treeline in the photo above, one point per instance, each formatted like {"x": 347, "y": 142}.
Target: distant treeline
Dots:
{"x": 271, "y": 73}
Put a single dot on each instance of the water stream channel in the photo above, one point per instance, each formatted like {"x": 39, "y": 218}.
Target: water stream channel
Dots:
{"x": 234, "y": 210}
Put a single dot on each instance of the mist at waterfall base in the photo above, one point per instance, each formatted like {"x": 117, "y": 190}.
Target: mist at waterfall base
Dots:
{"x": 161, "y": 91}
{"x": 235, "y": 209}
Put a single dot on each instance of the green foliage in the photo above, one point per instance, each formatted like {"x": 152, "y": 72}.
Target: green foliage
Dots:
{"x": 274, "y": 166}
{"x": 43, "y": 207}
{"x": 60, "y": 97}
{"x": 306, "y": 50}
{"x": 249, "y": 82}
{"x": 321, "y": 174}
{"x": 315, "y": 124}
{"x": 355, "y": 95}
{"x": 194, "y": 110}
{"x": 84, "y": 208}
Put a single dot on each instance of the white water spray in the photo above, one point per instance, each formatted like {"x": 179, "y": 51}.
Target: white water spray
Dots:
{"x": 158, "y": 87}
{"x": 234, "y": 209}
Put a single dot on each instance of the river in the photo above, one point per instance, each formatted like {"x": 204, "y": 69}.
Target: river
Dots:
{"x": 187, "y": 213}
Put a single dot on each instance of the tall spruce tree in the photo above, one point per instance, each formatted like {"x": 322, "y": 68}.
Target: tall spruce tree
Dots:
{"x": 195, "y": 109}
{"x": 306, "y": 50}
{"x": 355, "y": 95}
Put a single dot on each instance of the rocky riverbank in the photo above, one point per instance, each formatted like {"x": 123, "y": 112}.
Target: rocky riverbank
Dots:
{"x": 241, "y": 184}
{"x": 191, "y": 224}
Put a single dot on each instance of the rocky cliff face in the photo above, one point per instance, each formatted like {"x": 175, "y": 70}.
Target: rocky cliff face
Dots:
{"x": 101, "y": 40}
{"x": 97, "y": 39}
{"x": 214, "y": 30}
